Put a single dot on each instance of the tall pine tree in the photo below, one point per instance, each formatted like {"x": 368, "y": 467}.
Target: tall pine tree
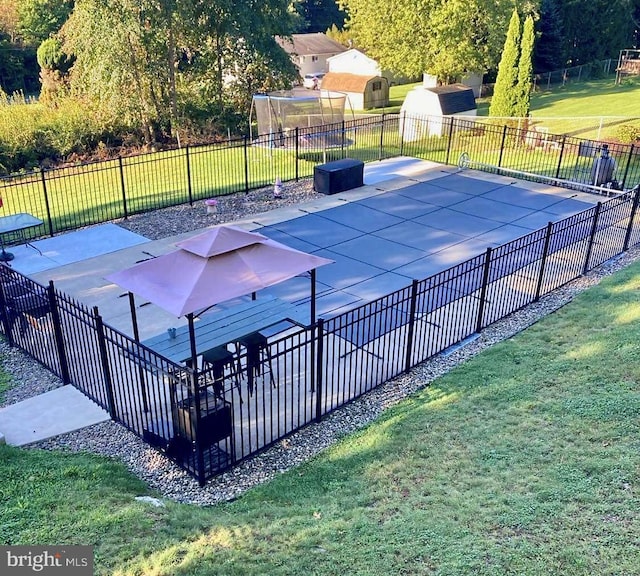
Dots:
{"x": 505, "y": 95}
{"x": 549, "y": 52}
{"x": 525, "y": 69}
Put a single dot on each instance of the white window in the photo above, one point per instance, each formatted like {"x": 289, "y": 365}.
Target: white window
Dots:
{"x": 314, "y": 58}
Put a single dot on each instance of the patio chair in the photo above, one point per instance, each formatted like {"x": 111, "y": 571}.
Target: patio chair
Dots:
{"x": 258, "y": 355}
{"x": 218, "y": 360}
{"x": 24, "y": 307}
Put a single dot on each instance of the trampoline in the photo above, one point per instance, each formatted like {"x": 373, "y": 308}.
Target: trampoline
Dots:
{"x": 312, "y": 121}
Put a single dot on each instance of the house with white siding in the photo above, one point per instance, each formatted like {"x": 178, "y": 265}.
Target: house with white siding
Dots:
{"x": 310, "y": 52}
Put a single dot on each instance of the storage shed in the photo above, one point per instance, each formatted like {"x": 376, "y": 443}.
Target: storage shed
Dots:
{"x": 362, "y": 91}
{"x": 423, "y": 108}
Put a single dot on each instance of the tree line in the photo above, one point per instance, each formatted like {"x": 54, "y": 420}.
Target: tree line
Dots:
{"x": 174, "y": 70}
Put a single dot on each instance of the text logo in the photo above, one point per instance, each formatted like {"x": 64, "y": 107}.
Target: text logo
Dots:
{"x": 46, "y": 560}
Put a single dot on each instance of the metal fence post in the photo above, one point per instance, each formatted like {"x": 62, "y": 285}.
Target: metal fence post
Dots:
{"x": 5, "y": 317}
{"x": 297, "y": 147}
{"x": 246, "y": 164}
{"x": 411, "y": 329}
{"x": 626, "y": 169}
{"x": 403, "y": 119}
{"x": 318, "y": 367}
{"x": 592, "y": 236}
{"x": 381, "y": 151}
{"x": 123, "y": 189}
{"x": 46, "y": 200}
{"x": 559, "y": 166}
{"x": 504, "y": 138}
{"x": 446, "y": 161}
{"x": 483, "y": 291}
{"x": 632, "y": 217}
{"x": 57, "y": 331}
{"x": 195, "y": 385}
{"x": 545, "y": 252}
{"x": 104, "y": 361}
{"x": 189, "y": 186}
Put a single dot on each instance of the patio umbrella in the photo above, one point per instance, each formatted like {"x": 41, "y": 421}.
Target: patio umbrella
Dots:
{"x": 221, "y": 264}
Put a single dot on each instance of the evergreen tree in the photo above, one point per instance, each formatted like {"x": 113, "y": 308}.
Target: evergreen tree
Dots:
{"x": 549, "y": 51}
{"x": 525, "y": 69}
{"x": 320, "y": 15}
{"x": 505, "y": 94}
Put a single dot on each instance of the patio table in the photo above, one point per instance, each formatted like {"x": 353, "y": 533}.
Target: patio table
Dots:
{"x": 225, "y": 326}
{"x": 16, "y": 224}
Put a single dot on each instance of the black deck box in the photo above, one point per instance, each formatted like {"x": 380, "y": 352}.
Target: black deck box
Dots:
{"x": 338, "y": 176}
{"x": 215, "y": 420}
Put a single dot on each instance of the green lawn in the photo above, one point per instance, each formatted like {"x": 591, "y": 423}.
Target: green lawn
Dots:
{"x": 89, "y": 194}
{"x": 587, "y": 101}
{"x": 522, "y": 461}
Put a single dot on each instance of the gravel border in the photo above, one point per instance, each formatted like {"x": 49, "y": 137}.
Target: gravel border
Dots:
{"x": 112, "y": 440}
{"x": 185, "y": 218}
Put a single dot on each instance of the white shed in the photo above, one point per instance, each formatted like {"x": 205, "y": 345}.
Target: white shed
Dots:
{"x": 423, "y": 108}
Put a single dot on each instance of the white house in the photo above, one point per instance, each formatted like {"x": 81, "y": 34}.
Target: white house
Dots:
{"x": 310, "y": 52}
{"x": 354, "y": 62}
{"x": 424, "y": 107}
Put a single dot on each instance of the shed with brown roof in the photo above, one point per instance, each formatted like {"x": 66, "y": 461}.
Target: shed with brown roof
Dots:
{"x": 363, "y": 92}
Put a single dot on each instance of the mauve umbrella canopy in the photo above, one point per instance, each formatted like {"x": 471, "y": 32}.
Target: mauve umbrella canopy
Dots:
{"x": 220, "y": 240}
{"x": 218, "y": 265}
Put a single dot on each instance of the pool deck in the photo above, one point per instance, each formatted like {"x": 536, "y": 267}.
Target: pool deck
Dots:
{"x": 412, "y": 219}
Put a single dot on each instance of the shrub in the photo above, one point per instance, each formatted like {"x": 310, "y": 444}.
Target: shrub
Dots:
{"x": 31, "y": 134}
{"x": 627, "y": 133}
{"x": 51, "y": 56}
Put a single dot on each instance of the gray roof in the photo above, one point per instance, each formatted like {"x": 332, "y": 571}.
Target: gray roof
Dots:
{"x": 309, "y": 44}
{"x": 454, "y": 98}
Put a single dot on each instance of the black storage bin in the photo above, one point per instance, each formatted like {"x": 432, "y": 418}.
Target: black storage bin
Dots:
{"x": 338, "y": 176}
{"x": 215, "y": 421}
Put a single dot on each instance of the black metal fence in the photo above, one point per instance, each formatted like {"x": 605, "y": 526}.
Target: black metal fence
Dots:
{"x": 210, "y": 417}
{"x": 78, "y": 196}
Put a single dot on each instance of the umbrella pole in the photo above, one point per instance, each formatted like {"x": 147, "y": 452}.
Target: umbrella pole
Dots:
{"x": 192, "y": 342}
{"x": 313, "y": 296}
{"x": 134, "y": 317}
{"x": 136, "y": 337}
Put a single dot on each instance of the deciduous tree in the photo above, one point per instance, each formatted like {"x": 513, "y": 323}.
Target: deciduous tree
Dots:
{"x": 9, "y": 19}
{"x": 446, "y": 38}
{"x": 153, "y": 61}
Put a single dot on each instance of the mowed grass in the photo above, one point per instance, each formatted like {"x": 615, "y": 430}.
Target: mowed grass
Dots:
{"x": 524, "y": 461}
{"x": 574, "y": 109}
{"x": 89, "y": 194}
